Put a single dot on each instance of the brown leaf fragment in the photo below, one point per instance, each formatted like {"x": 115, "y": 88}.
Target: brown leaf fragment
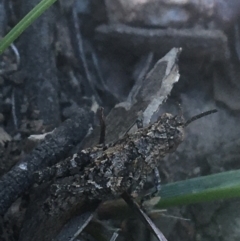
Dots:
{"x": 145, "y": 98}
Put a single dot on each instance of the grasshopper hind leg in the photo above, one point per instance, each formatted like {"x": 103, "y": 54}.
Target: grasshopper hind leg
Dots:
{"x": 157, "y": 186}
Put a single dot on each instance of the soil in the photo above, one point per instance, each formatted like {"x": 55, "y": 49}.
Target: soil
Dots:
{"x": 74, "y": 59}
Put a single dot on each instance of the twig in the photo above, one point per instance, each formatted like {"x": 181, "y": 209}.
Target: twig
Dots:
{"x": 51, "y": 150}
{"x": 15, "y": 121}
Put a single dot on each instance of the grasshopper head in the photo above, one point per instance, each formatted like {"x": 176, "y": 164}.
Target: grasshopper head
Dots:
{"x": 174, "y": 129}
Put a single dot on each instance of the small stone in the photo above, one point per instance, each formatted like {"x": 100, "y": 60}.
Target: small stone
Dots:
{"x": 196, "y": 170}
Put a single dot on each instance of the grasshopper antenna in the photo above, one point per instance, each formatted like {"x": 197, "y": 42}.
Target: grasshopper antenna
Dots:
{"x": 199, "y": 116}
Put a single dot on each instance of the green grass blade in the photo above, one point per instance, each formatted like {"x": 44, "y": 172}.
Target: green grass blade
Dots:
{"x": 24, "y": 23}
{"x": 202, "y": 189}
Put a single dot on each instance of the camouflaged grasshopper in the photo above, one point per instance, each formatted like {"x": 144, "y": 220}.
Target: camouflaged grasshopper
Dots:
{"x": 106, "y": 172}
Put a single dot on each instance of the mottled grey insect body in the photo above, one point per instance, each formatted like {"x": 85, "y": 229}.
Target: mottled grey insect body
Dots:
{"x": 106, "y": 172}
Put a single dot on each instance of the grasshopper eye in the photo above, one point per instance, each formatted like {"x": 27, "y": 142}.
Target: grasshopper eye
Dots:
{"x": 178, "y": 121}
{"x": 176, "y": 138}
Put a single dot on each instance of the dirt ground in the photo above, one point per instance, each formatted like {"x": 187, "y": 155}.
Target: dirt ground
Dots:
{"x": 83, "y": 54}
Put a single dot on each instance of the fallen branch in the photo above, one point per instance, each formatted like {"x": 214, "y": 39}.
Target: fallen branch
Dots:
{"x": 51, "y": 150}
